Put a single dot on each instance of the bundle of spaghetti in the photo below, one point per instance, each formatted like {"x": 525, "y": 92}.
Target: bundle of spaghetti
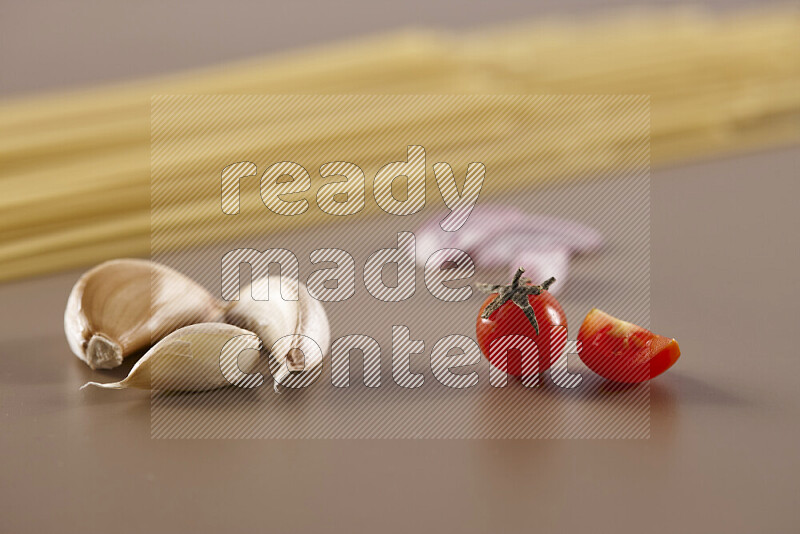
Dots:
{"x": 76, "y": 169}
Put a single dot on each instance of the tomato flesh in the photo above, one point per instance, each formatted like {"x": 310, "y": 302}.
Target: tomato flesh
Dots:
{"x": 511, "y": 320}
{"x": 623, "y": 352}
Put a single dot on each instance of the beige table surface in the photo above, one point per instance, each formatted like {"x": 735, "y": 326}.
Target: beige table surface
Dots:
{"x": 722, "y": 456}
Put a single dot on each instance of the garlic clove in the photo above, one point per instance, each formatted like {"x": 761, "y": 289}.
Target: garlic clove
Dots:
{"x": 294, "y": 322}
{"x": 269, "y": 319}
{"x": 305, "y": 356}
{"x": 196, "y": 358}
{"x": 123, "y": 306}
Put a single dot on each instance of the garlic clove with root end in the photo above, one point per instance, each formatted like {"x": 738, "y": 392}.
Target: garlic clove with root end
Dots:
{"x": 295, "y": 333}
{"x": 196, "y": 358}
{"x": 264, "y": 307}
{"x": 123, "y": 306}
{"x": 303, "y": 360}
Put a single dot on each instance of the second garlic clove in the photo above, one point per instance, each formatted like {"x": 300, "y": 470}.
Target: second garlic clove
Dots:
{"x": 266, "y": 309}
{"x": 196, "y": 358}
{"x": 300, "y": 325}
{"x": 302, "y": 361}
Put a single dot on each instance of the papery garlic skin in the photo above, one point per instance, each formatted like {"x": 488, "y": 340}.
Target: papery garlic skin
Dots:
{"x": 194, "y": 358}
{"x": 123, "y": 306}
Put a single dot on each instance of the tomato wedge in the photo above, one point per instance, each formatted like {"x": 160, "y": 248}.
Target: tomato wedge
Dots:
{"x": 623, "y": 352}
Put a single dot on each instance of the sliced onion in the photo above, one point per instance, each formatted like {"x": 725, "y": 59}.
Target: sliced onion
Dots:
{"x": 496, "y": 236}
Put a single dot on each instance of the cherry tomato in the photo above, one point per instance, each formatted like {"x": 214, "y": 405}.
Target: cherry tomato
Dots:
{"x": 623, "y": 352}
{"x": 510, "y": 319}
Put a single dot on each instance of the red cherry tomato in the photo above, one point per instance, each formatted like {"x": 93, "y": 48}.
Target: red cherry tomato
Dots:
{"x": 623, "y": 352}
{"x": 509, "y": 319}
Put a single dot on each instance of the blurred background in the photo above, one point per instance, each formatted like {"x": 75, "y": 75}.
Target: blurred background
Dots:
{"x": 51, "y": 45}
{"x": 78, "y": 79}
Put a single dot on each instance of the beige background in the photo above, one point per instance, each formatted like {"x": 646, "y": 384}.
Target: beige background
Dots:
{"x": 724, "y": 430}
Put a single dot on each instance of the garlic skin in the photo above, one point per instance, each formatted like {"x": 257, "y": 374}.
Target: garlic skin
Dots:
{"x": 195, "y": 358}
{"x": 123, "y": 306}
{"x": 296, "y": 358}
